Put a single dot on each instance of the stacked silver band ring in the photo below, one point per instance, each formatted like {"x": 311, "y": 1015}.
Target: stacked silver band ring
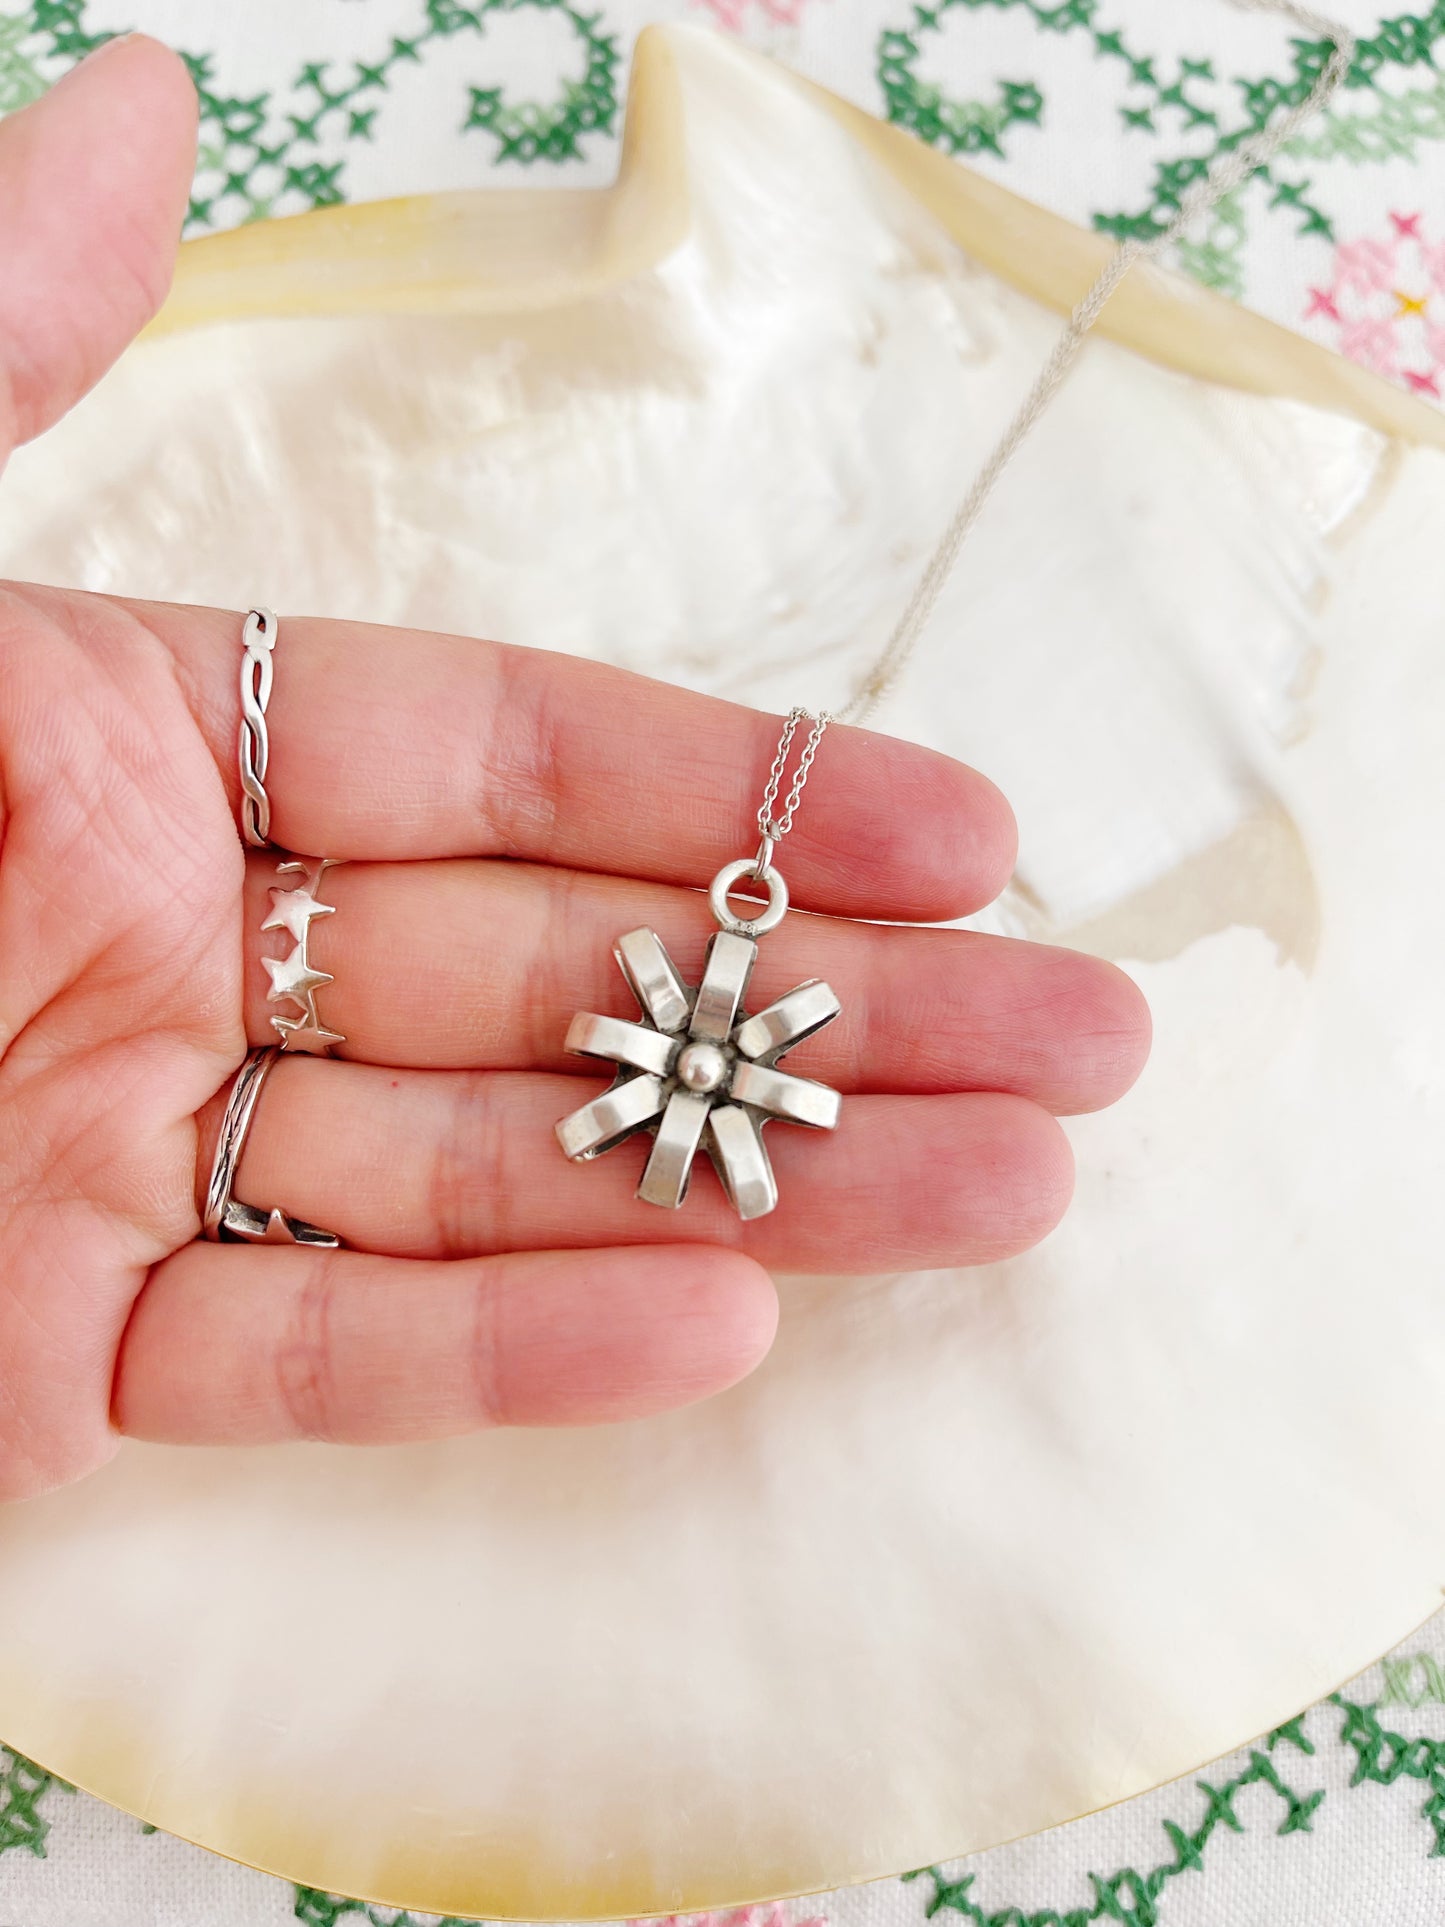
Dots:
{"x": 294, "y": 979}
{"x": 226, "y": 1219}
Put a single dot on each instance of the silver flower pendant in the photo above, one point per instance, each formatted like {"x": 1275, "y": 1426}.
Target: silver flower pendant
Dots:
{"x": 699, "y": 1073}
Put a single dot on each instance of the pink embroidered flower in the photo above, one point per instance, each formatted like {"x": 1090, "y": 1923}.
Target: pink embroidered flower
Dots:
{"x": 1363, "y": 267}
{"x": 774, "y": 1915}
{"x": 732, "y": 14}
{"x": 1384, "y": 304}
{"x": 1371, "y": 341}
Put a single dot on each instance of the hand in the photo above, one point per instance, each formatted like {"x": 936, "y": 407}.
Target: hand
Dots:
{"x": 506, "y": 815}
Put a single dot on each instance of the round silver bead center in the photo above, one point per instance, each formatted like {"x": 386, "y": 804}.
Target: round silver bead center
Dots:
{"x": 701, "y": 1067}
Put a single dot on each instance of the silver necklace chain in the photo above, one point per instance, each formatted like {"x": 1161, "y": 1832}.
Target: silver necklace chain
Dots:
{"x": 706, "y": 1072}
{"x": 775, "y": 827}
{"x": 1230, "y": 171}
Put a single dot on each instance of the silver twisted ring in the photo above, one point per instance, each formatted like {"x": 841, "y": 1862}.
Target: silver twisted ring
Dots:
{"x": 258, "y": 638}
{"x": 227, "y": 1221}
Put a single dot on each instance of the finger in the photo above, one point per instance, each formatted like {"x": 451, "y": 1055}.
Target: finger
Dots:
{"x": 94, "y": 178}
{"x": 393, "y": 743}
{"x": 447, "y": 1164}
{"x": 363, "y": 1350}
{"x": 482, "y": 965}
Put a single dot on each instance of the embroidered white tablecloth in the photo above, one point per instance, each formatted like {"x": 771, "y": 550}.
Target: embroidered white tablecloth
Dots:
{"x": 1105, "y": 110}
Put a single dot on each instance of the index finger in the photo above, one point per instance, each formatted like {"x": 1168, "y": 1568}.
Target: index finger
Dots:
{"x": 395, "y": 743}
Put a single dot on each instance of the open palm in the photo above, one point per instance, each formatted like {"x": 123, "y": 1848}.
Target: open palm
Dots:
{"x": 499, "y": 815}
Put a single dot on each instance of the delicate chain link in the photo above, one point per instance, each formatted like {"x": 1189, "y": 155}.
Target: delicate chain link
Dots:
{"x": 774, "y": 828}
{"x": 1228, "y": 173}
{"x": 258, "y": 639}
{"x": 1222, "y": 178}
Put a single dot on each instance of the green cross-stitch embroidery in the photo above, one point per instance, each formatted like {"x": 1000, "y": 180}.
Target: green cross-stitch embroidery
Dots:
{"x": 1128, "y": 1895}
{"x": 1383, "y": 1758}
{"x": 1133, "y": 1897}
{"x": 1181, "y": 104}
{"x": 1393, "y": 127}
{"x": 20, "y": 79}
{"x": 1217, "y": 256}
{"x": 23, "y": 1786}
{"x": 1383, "y": 124}
{"x": 1414, "y": 1679}
{"x": 530, "y": 131}
{"x": 280, "y": 150}
{"x": 960, "y": 126}
{"x": 316, "y": 1909}
{"x": 283, "y": 151}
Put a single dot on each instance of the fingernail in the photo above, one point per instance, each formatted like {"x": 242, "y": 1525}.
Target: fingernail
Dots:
{"x": 91, "y": 58}
{"x": 98, "y": 53}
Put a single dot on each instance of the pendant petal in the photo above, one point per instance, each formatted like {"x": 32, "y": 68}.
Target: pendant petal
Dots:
{"x": 742, "y": 1162}
{"x": 597, "y": 1126}
{"x": 799, "y": 1015}
{"x": 669, "y": 1167}
{"x": 621, "y": 1043}
{"x": 652, "y": 976}
{"x": 798, "y": 1099}
{"x": 730, "y": 963}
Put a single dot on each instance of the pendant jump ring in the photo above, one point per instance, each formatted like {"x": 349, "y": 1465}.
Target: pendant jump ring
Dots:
{"x": 727, "y": 880}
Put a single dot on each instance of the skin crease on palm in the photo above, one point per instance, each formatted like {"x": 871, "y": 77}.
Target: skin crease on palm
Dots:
{"x": 486, "y": 1281}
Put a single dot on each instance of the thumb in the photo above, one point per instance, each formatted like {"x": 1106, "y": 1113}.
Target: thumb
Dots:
{"x": 94, "y": 178}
